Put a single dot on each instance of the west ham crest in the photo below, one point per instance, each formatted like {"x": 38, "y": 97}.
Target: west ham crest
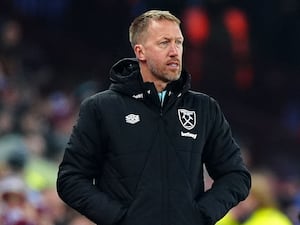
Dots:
{"x": 187, "y": 118}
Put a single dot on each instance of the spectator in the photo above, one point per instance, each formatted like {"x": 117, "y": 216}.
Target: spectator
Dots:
{"x": 261, "y": 206}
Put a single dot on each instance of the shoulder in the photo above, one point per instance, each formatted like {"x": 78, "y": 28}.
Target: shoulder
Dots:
{"x": 98, "y": 98}
{"x": 200, "y": 95}
{"x": 268, "y": 215}
{"x": 92, "y": 104}
{"x": 206, "y": 104}
{"x": 202, "y": 98}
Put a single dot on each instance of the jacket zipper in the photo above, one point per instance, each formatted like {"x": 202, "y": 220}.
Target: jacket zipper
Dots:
{"x": 164, "y": 173}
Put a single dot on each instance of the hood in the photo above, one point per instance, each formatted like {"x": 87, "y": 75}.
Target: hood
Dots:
{"x": 126, "y": 78}
{"x": 123, "y": 70}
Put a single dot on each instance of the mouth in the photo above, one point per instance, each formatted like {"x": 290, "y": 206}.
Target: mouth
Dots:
{"x": 173, "y": 64}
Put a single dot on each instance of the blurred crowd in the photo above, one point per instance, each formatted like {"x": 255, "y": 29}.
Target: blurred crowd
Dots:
{"x": 55, "y": 53}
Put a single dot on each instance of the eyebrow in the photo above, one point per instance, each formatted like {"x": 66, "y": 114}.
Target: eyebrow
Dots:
{"x": 169, "y": 38}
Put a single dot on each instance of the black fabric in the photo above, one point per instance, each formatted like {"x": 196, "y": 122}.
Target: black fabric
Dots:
{"x": 131, "y": 161}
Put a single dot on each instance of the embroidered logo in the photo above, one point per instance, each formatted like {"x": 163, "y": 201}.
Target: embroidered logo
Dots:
{"x": 187, "y": 118}
{"x": 188, "y": 134}
{"x": 137, "y": 96}
{"x": 132, "y": 118}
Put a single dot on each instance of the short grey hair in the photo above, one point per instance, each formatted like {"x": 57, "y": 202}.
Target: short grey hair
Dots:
{"x": 141, "y": 23}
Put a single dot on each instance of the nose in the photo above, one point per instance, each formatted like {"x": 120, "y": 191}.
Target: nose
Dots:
{"x": 174, "y": 49}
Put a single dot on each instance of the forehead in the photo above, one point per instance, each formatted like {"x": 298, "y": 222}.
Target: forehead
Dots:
{"x": 164, "y": 28}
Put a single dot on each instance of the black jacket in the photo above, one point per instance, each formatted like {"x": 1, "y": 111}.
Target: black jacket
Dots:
{"x": 132, "y": 161}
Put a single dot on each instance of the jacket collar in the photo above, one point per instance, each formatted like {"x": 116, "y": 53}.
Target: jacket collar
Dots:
{"x": 126, "y": 78}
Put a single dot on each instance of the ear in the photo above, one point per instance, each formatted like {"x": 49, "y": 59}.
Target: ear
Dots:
{"x": 139, "y": 52}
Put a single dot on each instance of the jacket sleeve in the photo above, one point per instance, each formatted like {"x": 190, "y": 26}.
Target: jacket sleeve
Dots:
{"x": 222, "y": 158}
{"x": 80, "y": 165}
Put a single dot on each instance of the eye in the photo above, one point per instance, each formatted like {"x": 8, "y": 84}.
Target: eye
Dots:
{"x": 179, "y": 42}
{"x": 164, "y": 43}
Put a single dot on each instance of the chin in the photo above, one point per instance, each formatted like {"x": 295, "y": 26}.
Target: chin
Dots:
{"x": 174, "y": 78}
{"x": 177, "y": 76}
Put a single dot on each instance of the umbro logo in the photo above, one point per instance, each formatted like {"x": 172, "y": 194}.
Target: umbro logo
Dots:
{"x": 132, "y": 118}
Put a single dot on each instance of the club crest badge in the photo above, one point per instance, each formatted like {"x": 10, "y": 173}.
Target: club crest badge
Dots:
{"x": 187, "y": 118}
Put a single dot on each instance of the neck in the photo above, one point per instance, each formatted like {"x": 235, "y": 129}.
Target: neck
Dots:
{"x": 159, "y": 84}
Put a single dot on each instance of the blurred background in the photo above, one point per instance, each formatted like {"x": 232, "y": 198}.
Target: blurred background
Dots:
{"x": 53, "y": 54}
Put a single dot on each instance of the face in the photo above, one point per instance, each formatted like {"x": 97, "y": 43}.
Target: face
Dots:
{"x": 161, "y": 52}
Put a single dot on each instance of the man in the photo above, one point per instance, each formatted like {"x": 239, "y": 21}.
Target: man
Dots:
{"x": 136, "y": 154}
